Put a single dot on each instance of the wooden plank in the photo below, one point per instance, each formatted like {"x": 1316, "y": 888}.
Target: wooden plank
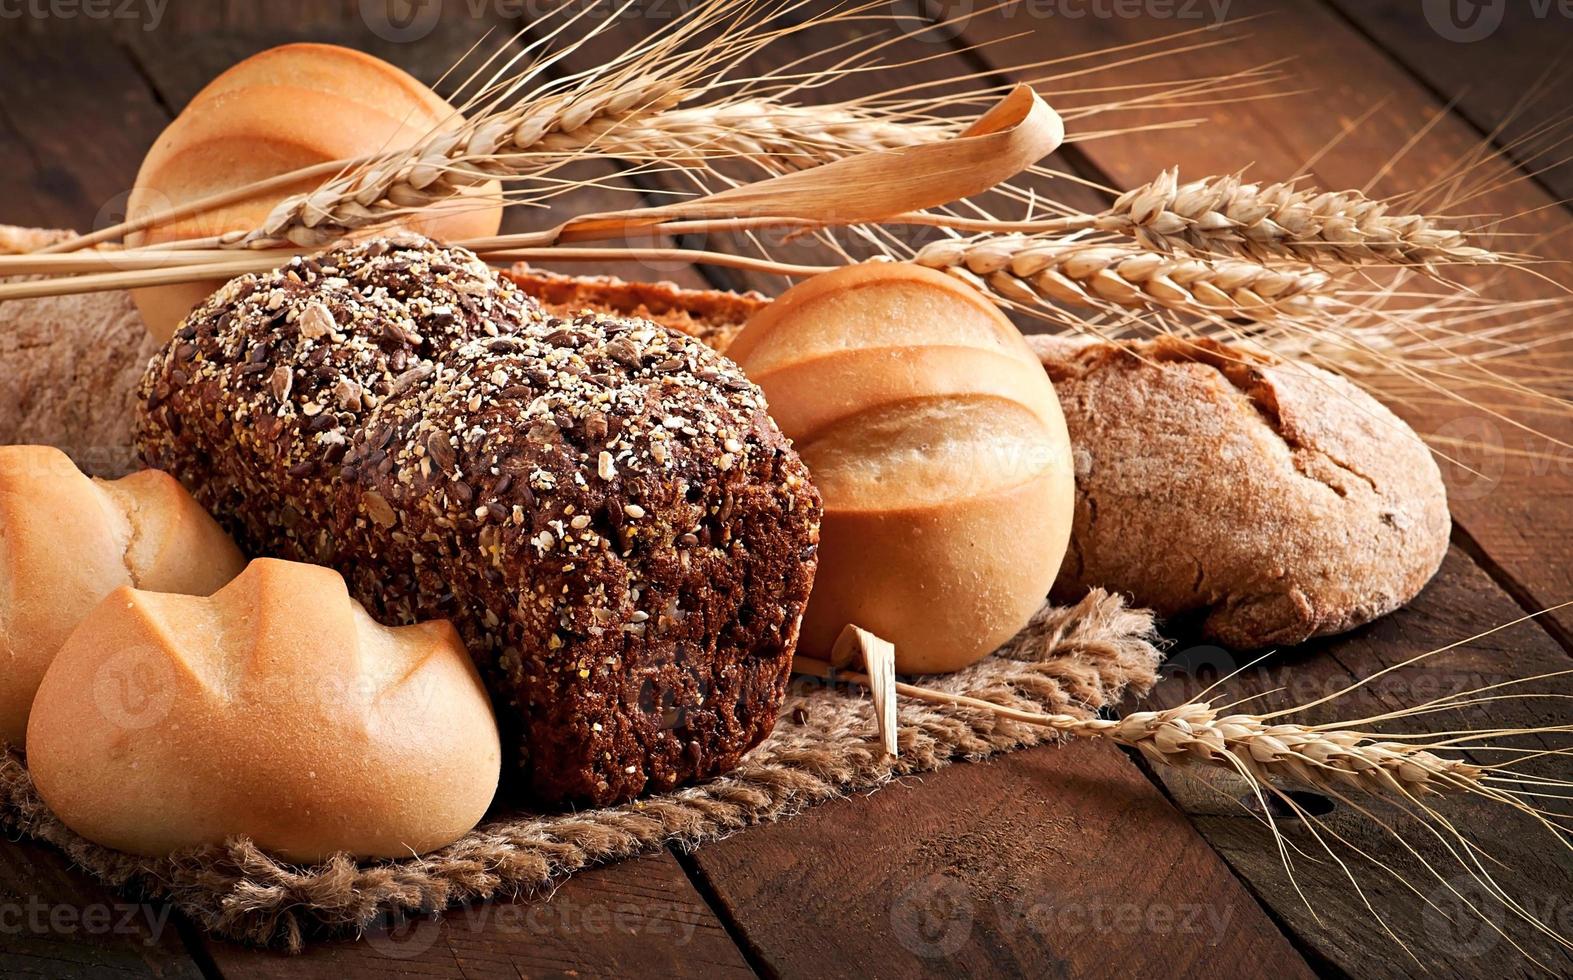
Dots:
{"x": 1517, "y": 519}
{"x": 1056, "y": 861}
{"x": 1503, "y": 65}
{"x": 1445, "y": 940}
{"x": 640, "y": 917}
{"x": 75, "y": 119}
{"x": 55, "y": 922}
{"x": 1517, "y": 505}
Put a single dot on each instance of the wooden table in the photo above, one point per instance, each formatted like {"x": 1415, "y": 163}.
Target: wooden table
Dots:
{"x": 1076, "y": 861}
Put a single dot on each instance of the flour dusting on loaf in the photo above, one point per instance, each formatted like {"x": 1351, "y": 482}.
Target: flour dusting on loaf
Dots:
{"x": 1277, "y": 500}
{"x": 603, "y": 507}
{"x": 71, "y": 367}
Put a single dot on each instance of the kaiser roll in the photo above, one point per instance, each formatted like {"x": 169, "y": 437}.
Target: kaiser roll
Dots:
{"x": 938, "y": 448}
{"x": 277, "y": 709}
{"x": 66, "y": 541}
{"x": 278, "y": 111}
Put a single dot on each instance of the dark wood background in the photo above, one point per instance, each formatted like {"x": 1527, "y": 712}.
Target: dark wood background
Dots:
{"x": 1071, "y": 861}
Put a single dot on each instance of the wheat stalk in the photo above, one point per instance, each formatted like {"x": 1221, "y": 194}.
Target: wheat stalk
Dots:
{"x": 637, "y": 123}
{"x": 1029, "y": 270}
{"x": 1282, "y": 222}
{"x": 1332, "y": 760}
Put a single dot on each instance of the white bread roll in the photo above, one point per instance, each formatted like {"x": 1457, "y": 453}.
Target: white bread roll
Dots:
{"x": 277, "y": 709}
{"x": 66, "y": 541}
{"x": 289, "y": 107}
{"x": 938, "y": 446}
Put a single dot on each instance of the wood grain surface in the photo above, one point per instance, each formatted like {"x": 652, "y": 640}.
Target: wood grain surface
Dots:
{"x": 1060, "y": 861}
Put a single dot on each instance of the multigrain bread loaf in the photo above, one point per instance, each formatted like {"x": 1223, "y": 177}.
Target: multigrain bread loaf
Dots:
{"x": 601, "y": 505}
{"x": 275, "y": 710}
{"x": 66, "y": 541}
{"x": 1277, "y": 500}
{"x": 71, "y": 365}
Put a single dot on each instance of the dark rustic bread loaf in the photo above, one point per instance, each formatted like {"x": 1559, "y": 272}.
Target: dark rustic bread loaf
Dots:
{"x": 1277, "y": 500}
{"x": 601, "y": 505}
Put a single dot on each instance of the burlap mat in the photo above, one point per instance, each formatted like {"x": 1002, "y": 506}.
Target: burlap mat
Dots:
{"x": 1077, "y": 659}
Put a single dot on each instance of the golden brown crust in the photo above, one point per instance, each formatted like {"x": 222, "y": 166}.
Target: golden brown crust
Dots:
{"x": 276, "y": 710}
{"x": 712, "y": 315}
{"x": 602, "y": 506}
{"x": 66, "y": 541}
{"x": 1278, "y": 498}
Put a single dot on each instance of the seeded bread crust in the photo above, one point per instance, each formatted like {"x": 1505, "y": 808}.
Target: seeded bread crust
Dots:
{"x": 601, "y": 505}
{"x": 1278, "y": 500}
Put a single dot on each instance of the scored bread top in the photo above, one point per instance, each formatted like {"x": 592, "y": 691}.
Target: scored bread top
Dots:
{"x": 275, "y": 709}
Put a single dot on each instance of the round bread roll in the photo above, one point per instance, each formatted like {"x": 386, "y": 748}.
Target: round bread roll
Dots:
{"x": 939, "y": 451}
{"x": 277, "y": 709}
{"x": 66, "y": 541}
{"x": 283, "y": 109}
{"x": 1276, "y": 500}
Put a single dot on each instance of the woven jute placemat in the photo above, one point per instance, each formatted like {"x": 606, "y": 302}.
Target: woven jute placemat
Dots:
{"x": 1071, "y": 659}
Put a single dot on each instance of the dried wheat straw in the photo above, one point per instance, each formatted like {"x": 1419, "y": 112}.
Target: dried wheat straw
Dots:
{"x": 1029, "y": 270}
{"x": 1331, "y": 759}
{"x": 1281, "y": 221}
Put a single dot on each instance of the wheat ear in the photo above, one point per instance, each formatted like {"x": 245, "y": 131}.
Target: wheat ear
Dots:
{"x": 1331, "y": 760}
{"x": 636, "y": 124}
{"x": 1281, "y": 221}
{"x": 1029, "y": 270}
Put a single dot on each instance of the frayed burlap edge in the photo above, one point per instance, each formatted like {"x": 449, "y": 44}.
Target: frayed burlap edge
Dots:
{"x": 1076, "y": 659}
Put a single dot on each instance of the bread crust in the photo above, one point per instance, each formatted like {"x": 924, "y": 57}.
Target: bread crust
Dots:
{"x": 66, "y": 541}
{"x": 275, "y": 710}
{"x": 601, "y": 505}
{"x": 71, "y": 368}
{"x": 1278, "y": 499}
{"x": 713, "y": 315}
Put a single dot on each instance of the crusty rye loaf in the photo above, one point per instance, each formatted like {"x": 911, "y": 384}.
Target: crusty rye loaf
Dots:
{"x": 71, "y": 365}
{"x": 601, "y": 505}
{"x": 1278, "y": 500}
